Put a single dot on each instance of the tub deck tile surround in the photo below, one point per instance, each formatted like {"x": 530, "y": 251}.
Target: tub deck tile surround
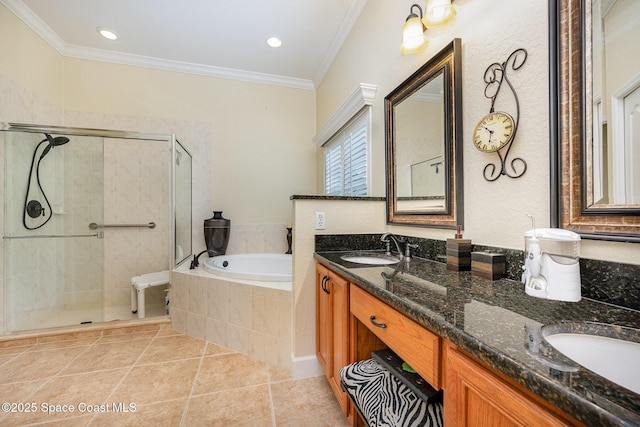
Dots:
{"x": 172, "y": 379}
{"x": 248, "y": 319}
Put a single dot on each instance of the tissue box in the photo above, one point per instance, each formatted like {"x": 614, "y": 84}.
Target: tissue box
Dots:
{"x": 489, "y": 265}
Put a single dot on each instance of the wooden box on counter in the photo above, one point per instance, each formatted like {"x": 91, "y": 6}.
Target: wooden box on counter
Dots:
{"x": 489, "y": 265}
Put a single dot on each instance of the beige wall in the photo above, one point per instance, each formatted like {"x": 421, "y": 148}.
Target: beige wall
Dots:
{"x": 490, "y": 30}
{"x": 28, "y": 60}
{"x": 260, "y": 149}
{"x": 342, "y": 217}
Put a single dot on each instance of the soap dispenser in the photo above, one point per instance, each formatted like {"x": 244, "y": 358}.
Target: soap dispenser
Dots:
{"x": 458, "y": 253}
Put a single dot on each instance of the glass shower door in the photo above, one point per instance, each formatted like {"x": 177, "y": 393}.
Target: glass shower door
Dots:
{"x": 53, "y": 262}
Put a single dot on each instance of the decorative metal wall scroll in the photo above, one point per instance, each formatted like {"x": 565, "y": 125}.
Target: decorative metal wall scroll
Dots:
{"x": 497, "y": 130}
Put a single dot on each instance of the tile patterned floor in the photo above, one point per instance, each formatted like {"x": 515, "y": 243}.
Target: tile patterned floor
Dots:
{"x": 161, "y": 377}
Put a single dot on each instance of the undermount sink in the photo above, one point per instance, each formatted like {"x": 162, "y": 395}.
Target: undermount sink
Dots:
{"x": 610, "y": 351}
{"x": 371, "y": 259}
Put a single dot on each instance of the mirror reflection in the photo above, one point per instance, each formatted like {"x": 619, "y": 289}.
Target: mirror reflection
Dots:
{"x": 420, "y": 144}
{"x": 595, "y": 73}
{"x": 615, "y": 152}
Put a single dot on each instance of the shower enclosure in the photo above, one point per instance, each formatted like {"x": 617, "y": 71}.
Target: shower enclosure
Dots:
{"x": 84, "y": 211}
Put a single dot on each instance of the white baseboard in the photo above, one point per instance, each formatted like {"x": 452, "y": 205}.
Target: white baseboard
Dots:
{"x": 305, "y": 367}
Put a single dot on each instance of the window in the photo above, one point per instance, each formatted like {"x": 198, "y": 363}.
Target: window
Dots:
{"x": 345, "y": 159}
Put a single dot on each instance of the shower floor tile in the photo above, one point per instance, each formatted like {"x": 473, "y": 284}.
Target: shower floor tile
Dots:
{"x": 157, "y": 377}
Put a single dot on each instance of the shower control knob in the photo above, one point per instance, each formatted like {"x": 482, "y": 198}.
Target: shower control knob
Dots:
{"x": 35, "y": 209}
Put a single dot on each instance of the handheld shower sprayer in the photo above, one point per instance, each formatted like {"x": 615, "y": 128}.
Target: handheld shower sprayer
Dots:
{"x": 33, "y": 208}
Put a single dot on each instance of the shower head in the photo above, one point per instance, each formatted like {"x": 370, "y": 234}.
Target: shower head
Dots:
{"x": 53, "y": 142}
{"x": 58, "y": 140}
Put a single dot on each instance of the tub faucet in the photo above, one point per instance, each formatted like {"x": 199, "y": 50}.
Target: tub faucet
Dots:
{"x": 387, "y": 238}
{"x": 194, "y": 262}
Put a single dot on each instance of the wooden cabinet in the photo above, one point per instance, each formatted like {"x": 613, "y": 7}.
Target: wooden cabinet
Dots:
{"x": 332, "y": 328}
{"x": 474, "y": 395}
{"x": 351, "y": 323}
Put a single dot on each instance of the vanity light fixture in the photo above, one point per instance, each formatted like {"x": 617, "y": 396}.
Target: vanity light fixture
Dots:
{"x": 438, "y": 12}
{"x": 274, "y": 42}
{"x": 107, "y": 33}
{"x": 413, "y": 39}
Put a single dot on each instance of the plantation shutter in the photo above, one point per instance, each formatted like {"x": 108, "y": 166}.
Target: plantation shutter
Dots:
{"x": 345, "y": 159}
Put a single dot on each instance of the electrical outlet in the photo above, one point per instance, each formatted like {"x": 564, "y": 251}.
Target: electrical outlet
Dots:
{"x": 321, "y": 223}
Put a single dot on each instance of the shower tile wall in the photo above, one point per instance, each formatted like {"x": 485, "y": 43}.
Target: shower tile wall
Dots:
{"x": 81, "y": 204}
{"x": 136, "y": 192}
{"x": 196, "y": 137}
{"x": 19, "y": 105}
{"x": 257, "y": 238}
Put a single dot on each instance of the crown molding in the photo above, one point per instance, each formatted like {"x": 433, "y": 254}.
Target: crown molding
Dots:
{"x": 185, "y": 67}
{"x": 363, "y": 95}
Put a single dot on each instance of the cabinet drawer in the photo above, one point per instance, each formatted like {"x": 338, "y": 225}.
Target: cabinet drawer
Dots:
{"x": 419, "y": 347}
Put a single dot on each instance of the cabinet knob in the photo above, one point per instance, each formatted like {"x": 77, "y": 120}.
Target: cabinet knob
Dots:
{"x": 372, "y": 319}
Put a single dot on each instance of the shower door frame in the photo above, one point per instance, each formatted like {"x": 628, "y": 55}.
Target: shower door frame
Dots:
{"x": 103, "y": 133}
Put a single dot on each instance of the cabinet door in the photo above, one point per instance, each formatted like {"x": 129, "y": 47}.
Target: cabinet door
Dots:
{"x": 324, "y": 325}
{"x": 474, "y": 396}
{"x": 339, "y": 292}
{"x": 332, "y": 328}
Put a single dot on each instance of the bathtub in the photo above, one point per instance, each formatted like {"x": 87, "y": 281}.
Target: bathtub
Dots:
{"x": 252, "y": 267}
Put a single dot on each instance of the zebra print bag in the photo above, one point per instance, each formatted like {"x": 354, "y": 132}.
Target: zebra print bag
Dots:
{"x": 384, "y": 401}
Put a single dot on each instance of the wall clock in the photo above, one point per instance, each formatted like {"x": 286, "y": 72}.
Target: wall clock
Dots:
{"x": 494, "y": 131}
{"x": 497, "y": 130}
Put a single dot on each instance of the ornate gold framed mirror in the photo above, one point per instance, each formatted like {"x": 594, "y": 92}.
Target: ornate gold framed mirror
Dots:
{"x": 595, "y": 107}
{"x": 423, "y": 131}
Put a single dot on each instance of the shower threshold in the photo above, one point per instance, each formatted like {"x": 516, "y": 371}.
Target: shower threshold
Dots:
{"x": 92, "y": 331}
{"x": 83, "y": 318}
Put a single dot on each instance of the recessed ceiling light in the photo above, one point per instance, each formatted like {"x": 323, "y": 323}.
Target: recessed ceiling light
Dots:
{"x": 274, "y": 42}
{"x": 107, "y": 33}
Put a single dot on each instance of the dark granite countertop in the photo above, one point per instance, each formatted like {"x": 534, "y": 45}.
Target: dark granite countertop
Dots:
{"x": 499, "y": 324}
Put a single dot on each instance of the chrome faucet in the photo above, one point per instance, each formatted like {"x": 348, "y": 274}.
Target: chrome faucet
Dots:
{"x": 407, "y": 249}
{"x": 387, "y": 238}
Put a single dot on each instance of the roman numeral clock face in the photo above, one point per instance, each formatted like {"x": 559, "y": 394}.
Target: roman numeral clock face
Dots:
{"x": 493, "y": 132}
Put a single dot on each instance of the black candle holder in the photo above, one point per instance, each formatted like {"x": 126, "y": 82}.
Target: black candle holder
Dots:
{"x": 289, "y": 239}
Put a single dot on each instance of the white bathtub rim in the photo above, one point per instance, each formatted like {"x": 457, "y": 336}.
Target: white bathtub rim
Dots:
{"x": 210, "y": 268}
{"x": 200, "y": 272}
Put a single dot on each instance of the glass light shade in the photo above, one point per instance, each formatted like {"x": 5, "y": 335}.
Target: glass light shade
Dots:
{"x": 413, "y": 39}
{"x": 439, "y": 12}
{"x": 274, "y": 42}
{"x": 107, "y": 33}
